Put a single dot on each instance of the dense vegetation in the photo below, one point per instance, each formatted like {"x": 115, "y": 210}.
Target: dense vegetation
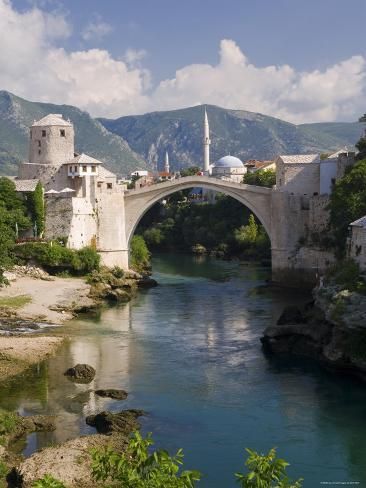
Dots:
{"x": 139, "y": 254}
{"x": 17, "y": 216}
{"x": 55, "y": 257}
{"x": 225, "y": 228}
{"x": 347, "y": 203}
{"x": 13, "y": 218}
{"x": 140, "y": 467}
{"x": 262, "y": 177}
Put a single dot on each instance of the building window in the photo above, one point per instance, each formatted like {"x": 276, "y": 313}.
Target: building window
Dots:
{"x": 39, "y": 151}
{"x": 75, "y": 169}
{"x": 39, "y": 143}
{"x": 93, "y": 169}
{"x": 62, "y": 133}
{"x": 85, "y": 169}
{"x": 43, "y": 133}
{"x": 109, "y": 186}
{"x": 99, "y": 184}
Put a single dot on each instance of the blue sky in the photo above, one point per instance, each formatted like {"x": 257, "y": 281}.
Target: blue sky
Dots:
{"x": 310, "y": 37}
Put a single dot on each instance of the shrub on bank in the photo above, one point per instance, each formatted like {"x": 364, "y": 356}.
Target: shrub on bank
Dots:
{"x": 54, "y": 257}
{"x": 139, "y": 254}
{"x": 140, "y": 467}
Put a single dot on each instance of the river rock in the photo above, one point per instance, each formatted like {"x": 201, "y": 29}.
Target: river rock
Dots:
{"x": 81, "y": 373}
{"x": 291, "y": 315}
{"x": 112, "y": 393}
{"x": 119, "y": 295}
{"x": 124, "y": 421}
{"x": 147, "y": 282}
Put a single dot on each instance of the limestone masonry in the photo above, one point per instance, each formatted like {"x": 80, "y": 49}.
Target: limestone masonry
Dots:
{"x": 88, "y": 206}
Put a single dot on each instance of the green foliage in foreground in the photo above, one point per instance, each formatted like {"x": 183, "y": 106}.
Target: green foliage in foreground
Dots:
{"x": 53, "y": 255}
{"x": 48, "y": 482}
{"x": 139, "y": 254}
{"x": 140, "y": 467}
{"x": 262, "y": 177}
{"x": 266, "y": 471}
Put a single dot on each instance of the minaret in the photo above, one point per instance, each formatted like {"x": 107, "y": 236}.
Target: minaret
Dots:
{"x": 166, "y": 165}
{"x": 206, "y": 144}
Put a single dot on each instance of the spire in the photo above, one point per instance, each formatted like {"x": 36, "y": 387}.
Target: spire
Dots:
{"x": 206, "y": 144}
{"x": 167, "y": 166}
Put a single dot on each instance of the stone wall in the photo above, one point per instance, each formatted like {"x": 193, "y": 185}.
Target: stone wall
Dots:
{"x": 318, "y": 213}
{"x": 51, "y": 176}
{"x": 302, "y": 179}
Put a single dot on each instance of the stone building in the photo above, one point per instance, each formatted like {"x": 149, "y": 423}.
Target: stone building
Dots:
{"x": 308, "y": 174}
{"x": 357, "y": 242}
{"x": 81, "y": 196}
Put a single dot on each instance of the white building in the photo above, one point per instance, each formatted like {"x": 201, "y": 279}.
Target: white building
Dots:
{"x": 79, "y": 190}
{"x": 357, "y": 244}
{"x": 307, "y": 174}
{"x": 229, "y": 168}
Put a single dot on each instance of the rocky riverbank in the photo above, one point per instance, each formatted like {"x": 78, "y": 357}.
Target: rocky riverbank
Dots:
{"x": 331, "y": 329}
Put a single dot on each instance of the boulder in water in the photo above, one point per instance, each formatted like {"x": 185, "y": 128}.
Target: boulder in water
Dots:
{"x": 124, "y": 421}
{"x": 81, "y": 373}
{"x": 112, "y": 393}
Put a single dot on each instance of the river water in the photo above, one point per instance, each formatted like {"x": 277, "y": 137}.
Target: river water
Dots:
{"x": 188, "y": 352}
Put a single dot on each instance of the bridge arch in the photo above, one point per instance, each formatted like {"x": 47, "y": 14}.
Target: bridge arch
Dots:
{"x": 139, "y": 201}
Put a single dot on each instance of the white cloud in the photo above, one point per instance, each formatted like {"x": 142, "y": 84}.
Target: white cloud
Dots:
{"x": 133, "y": 57}
{"x": 96, "y": 30}
{"x": 33, "y": 66}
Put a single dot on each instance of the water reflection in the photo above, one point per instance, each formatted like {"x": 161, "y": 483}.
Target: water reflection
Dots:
{"x": 188, "y": 352}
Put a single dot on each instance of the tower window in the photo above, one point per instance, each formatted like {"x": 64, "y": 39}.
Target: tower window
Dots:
{"x": 62, "y": 133}
{"x": 85, "y": 169}
{"x": 93, "y": 169}
{"x": 39, "y": 143}
{"x": 43, "y": 133}
{"x": 109, "y": 186}
{"x": 39, "y": 151}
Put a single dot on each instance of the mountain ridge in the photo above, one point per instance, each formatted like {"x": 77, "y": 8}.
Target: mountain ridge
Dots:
{"x": 247, "y": 135}
{"x": 17, "y": 114}
{"x": 140, "y": 141}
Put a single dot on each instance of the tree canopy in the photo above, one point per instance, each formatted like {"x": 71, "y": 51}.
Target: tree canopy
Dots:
{"x": 348, "y": 202}
{"x": 262, "y": 177}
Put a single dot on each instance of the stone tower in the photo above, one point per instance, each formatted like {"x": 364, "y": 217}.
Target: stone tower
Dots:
{"x": 51, "y": 141}
{"x": 166, "y": 165}
{"x": 206, "y": 144}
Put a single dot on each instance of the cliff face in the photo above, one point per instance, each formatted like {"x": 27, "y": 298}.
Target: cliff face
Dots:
{"x": 331, "y": 330}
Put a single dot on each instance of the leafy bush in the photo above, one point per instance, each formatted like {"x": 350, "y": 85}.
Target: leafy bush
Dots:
{"x": 139, "y": 254}
{"x": 35, "y": 204}
{"x": 137, "y": 468}
{"x": 266, "y": 471}
{"x": 262, "y": 177}
{"x": 346, "y": 273}
{"x": 48, "y": 481}
{"x": 53, "y": 255}
{"x": 347, "y": 202}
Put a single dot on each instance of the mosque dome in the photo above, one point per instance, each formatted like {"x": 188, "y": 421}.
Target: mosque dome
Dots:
{"x": 228, "y": 162}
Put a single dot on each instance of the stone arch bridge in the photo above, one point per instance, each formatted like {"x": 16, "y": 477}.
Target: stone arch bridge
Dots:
{"x": 279, "y": 213}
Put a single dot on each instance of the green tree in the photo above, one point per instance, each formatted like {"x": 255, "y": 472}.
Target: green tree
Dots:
{"x": 191, "y": 171}
{"x": 138, "y": 468}
{"x": 35, "y": 204}
{"x": 266, "y": 471}
{"x": 262, "y": 177}
{"x": 139, "y": 254}
{"x": 347, "y": 202}
{"x": 247, "y": 235}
